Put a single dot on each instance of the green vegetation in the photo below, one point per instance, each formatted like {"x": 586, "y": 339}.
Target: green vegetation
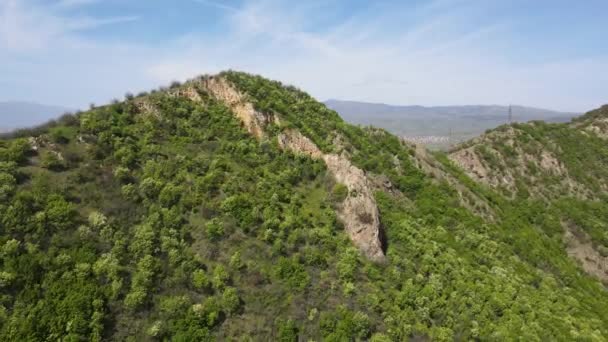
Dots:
{"x": 561, "y": 168}
{"x": 175, "y": 224}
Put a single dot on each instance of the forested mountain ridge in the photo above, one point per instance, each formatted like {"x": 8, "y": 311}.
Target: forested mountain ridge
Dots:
{"x": 565, "y": 166}
{"x": 234, "y": 207}
{"x": 440, "y": 127}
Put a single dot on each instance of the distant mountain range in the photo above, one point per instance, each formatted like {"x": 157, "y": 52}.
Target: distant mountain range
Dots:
{"x": 448, "y": 124}
{"x": 15, "y": 114}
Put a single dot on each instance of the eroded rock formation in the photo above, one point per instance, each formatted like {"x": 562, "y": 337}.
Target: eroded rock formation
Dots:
{"x": 359, "y": 212}
{"x": 580, "y": 247}
{"x": 253, "y": 120}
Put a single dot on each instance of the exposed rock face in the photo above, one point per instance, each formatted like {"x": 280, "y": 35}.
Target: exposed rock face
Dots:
{"x": 484, "y": 162}
{"x": 580, "y": 248}
{"x": 146, "y": 108}
{"x": 595, "y": 122}
{"x": 359, "y": 211}
{"x": 34, "y": 143}
{"x": 549, "y": 163}
{"x": 253, "y": 120}
{"x": 187, "y": 92}
{"x": 294, "y": 141}
{"x": 599, "y": 127}
{"x": 468, "y": 160}
{"x": 468, "y": 198}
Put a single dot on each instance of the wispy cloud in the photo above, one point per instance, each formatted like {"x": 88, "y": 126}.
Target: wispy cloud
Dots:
{"x": 439, "y": 53}
{"x": 27, "y": 25}
{"x": 216, "y": 4}
{"x": 85, "y": 23}
{"x": 75, "y": 3}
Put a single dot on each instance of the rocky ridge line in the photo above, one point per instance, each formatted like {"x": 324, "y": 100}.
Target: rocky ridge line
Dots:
{"x": 358, "y": 212}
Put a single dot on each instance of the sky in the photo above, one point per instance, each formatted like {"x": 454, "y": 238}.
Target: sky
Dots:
{"x": 544, "y": 53}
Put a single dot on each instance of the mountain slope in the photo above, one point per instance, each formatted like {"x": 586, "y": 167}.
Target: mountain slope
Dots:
{"x": 563, "y": 165}
{"x": 596, "y": 121}
{"x": 234, "y": 207}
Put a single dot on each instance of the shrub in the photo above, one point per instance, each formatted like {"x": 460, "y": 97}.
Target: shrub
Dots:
{"x": 123, "y": 174}
{"x": 220, "y": 277}
{"x": 60, "y": 135}
{"x": 230, "y": 300}
{"x": 97, "y": 220}
{"x": 287, "y": 331}
{"x": 150, "y": 187}
{"x": 292, "y": 272}
{"x": 339, "y": 193}
{"x": 52, "y": 160}
{"x": 7, "y": 185}
{"x": 214, "y": 229}
{"x": 200, "y": 279}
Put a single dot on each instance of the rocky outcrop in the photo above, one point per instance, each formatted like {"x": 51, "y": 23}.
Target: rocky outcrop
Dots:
{"x": 359, "y": 212}
{"x": 188, "y": 92}
{"x": 505, "y": 160}
{"x": 294, "y": 141}
{"x": 146, "y": 108}
{"x": 596, "y": 122}
{"x": 549, "y": 163}
{"x": 253, "y": 120}
{"x": 599, "y": 127}
{"x": 468, "y": 198}
{"x": 580, "y": 248}
{"x": 468, "y": 160}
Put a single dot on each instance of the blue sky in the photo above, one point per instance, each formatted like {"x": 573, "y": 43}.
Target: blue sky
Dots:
{"x": 439, "y": 52}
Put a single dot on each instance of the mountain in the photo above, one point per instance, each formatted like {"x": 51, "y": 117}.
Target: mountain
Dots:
{"x": 564, "y": 166}
{"x": 232, "y": 207}
{"x": 439, "y": 127}
{"x": 15, "y": 114}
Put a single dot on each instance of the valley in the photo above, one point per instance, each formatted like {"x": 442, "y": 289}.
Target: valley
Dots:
{"x": 440, "y": 127}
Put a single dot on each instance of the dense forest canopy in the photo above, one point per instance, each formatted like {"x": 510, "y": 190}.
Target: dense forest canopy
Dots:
{"x": 161, "y": 217}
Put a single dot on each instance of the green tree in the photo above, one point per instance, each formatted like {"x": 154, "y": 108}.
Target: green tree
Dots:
{"x": 287, "y": 331}
{"x": 230, "y": 300}
{"x": 52, "y": 160}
